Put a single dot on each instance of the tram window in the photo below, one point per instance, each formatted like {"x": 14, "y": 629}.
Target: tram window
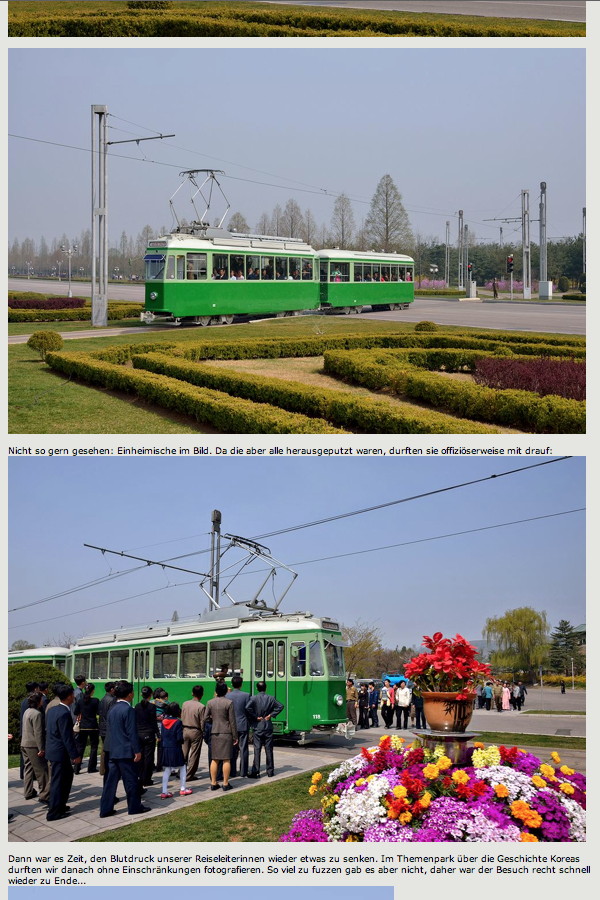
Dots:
{"x": 270, "y": 659}
{"x": 281, "y": 268}
{"x": 193, "y": 661}
{"x": 61, "y": 664}
{"x": 195, "y": 266}
{"x": 297, "y": 659}
{"x": 394, "y": 271}
{"x": 258, "y": 660}
{"x": 252, "y": 268}
{"x": 335, "y": 659}
{"x": 307, "y": 269}
{"x": 376, "y": 273}
{"x": 165, "y": 662}
{"x": 280, "y": 659}
{"x": 358, "y": 271}
{"x": 368, "y": 273}
{"x": 119, "y": 664}
{"x": 180, "y": 268}
{"x": 339, "y": 272}
{"x": 225, "y": 656}
{"x": 323, "y": 270}
{"x": 409, "y": 275}
{"x": 100, "y": 665}
{"x": 220, "y": 263}
{"x": 170, "y": 268}
{"x": 402, "y": 274}
{"x": 385, "y": 273}
{"x": 316, "y": 658}
{"x": 155, "y": 266}
{"x": 237, "y": 267}
{"x": 82, "y": 665}
{"x": 266, "y": 268}
{"x": 295, "y": 269}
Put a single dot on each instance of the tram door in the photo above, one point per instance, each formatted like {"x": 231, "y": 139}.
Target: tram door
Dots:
{"x": 269, "y": 656}
{"x": 140, "y": 671}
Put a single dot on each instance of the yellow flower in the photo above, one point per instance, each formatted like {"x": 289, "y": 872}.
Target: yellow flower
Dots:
{"x": 478, "y": 745}
{"x": 370, "y": 777}
{"x": 351, "y": 838}
{"x": 444, "y": 763}
{"x": 538, "y": 782}
{"x": 547, "y": 770}
{"x": 555, "y": 757}
{"x": 312, "y": 790}
{"x": 566, "y": 788}
{"x": 525, "y": 836}
{"x": 316, "y": 778}
{"x": 567, "y": 771}
{"x": 460, "y": 776}
{"x": 405, "y": 817}
{"x": 360, "y": 781}
{"x": 501, "y": 790}
{"x": 425, "y": 800}
{"x": 399, "y": 791}
{"x": 431, "y": 771}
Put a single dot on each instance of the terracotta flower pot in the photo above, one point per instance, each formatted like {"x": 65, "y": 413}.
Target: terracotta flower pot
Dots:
{"x": 443, "y": 712}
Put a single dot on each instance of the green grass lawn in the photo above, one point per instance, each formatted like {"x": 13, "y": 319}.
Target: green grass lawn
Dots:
{"x": 66, "y": 327}
{"x": 260, "y": 814}
{"x": 113, "y": 19}
{"x": 551, "y": 741}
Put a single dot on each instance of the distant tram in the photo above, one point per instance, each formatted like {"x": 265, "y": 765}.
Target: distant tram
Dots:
{"x": 207, "y": 276}
{"x": 53, "y": 656}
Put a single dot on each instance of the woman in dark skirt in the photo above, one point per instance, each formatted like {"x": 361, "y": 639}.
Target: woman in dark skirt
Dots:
{"x": 86, "y": 713}
{"x": 147, "y": 729}
{"x": 171, "y": 735}
{"x": 221, "y": 715}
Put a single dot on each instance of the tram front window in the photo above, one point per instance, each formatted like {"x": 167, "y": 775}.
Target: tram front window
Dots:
{"x": 155, "y": 266}
{"x": 335, "y": 660}
{"x": 297, "y": 659}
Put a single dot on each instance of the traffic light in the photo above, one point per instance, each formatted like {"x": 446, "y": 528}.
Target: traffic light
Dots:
{"x": 470, "y": 268}
{"x": 510, "y": 263}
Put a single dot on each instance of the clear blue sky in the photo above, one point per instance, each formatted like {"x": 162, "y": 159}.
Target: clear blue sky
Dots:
{"x": 463, "y": 128}
{"x": 451, "y": 585}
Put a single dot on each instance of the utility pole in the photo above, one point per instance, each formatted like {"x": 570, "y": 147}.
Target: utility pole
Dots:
{"x": 526, "y": 245}
{"x": 99, "y": 267}
{"x": 584, "y": 240}
{"x": 461, "y": 262}
{"x": 545, "y": 286}
{"x": 447, "y": 257}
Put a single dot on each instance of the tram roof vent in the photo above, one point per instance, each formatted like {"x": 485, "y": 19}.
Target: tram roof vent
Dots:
{"x": 104, "y": 638}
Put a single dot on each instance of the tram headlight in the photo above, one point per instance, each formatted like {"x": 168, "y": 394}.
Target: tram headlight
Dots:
{"x": 153, "y": 295}
{"x": 338, "y": 700}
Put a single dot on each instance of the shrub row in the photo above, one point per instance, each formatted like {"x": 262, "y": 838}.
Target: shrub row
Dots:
{"x": 563, "y": 377}
{"x": 227, "y": 414}
{"x": 340, "y": 408}
{"x": 47, "y": 303}
{"x": 516, "y": 409}
{"x": 115, "y": 312}
{"x": 224, "y": 19}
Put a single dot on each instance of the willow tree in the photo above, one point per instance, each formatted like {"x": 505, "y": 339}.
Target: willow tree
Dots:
{"x": 522, "y": 638}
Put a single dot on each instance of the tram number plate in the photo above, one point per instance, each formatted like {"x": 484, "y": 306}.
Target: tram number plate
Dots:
{"x": 316, "y": 716}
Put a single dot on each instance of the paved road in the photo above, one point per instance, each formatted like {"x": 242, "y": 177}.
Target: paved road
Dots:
{"x": 555, "y": 318}
{"x": 565, "y": 11}
{"x": 116, "y": 291}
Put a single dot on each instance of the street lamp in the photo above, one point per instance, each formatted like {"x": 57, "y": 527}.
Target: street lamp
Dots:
{"x": 572, "y": 675}
{"x": 28, "y": 264}
{"x": 69, "y": 251}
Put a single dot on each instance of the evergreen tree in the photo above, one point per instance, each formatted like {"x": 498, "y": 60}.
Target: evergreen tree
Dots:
{"x": 563, "y": 648}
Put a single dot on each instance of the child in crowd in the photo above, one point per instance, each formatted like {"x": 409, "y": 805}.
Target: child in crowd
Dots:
{"x": 171, "y": 735}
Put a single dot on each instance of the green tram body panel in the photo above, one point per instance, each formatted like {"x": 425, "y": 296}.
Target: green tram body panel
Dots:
{"x": 309, "y": 699}
{"x": 181, "y": 283}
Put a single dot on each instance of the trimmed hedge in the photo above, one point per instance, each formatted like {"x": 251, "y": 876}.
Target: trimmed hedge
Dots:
{"x": 516, "y": 409}
{"x": 342, "y": 409}
{"x": 229, "y": 415}
{"x": 46, "y": 302}
{"x": 116, "y": 311}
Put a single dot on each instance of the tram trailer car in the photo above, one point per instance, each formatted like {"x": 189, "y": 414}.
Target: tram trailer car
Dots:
{"x": 53, "y": 656}
{"x": 211, "y": 275}
{"x": 299, "y": 656}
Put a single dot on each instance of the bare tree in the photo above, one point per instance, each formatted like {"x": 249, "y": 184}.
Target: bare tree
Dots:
{"x": 276, "y": 221}
{"x": 310, "y": 227}
{"x": 263, "y": 226}
{"x": 387, "y": 224}
{"x": 292, "y": 221}
{"x": 364, "y": 642}
{"x": 237, "y": 222}
{"x": 342, "y": 222}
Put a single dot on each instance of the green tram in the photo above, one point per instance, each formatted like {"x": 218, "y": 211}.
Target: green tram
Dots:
{"x": 53, "y": 656}
{"x": 206, "y": 275}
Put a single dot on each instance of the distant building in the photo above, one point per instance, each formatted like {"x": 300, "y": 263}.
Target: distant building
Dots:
{"x": 580, "y": 632}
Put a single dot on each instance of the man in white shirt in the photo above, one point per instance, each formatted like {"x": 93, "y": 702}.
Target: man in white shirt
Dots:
{"x": 403, "y": 696}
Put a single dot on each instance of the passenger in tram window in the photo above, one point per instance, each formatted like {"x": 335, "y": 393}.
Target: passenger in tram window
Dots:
{"x": 336, "y": 275}
{"x": 190, "y": 271}
{"x": 240, "y": 275}
{"x": 233, "y": 276}
{"x": 408, "y": 275}
{"x": 222, "y": 275}
{"x": 252, "y": 275}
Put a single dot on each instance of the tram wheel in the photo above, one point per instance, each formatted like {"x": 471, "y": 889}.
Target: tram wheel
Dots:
{"x": 202, "y": 320}
{"x": 226, "y": 320}
{"x": 347, "y": 310}
{"x": 281, "y": 315}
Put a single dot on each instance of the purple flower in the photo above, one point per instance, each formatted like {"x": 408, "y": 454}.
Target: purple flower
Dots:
{"x": 388, "y": 831}
{"x": 306, "y": 826}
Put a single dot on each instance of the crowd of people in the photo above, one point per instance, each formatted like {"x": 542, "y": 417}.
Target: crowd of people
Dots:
{"x": 363, "y": 705}
{"x": 129, "y": 744}
{"x": 502, "y": 695}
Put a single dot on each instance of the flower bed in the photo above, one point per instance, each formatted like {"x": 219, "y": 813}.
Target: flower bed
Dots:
{"x": 563, "y": 377}
{"x": 391, "y": 793}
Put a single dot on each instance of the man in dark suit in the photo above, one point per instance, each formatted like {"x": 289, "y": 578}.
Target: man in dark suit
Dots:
{"x": 61, "y": 752}
{"x": 239, "y": 699}
{"x": 260, "y": 709}
{"x": 124, "y": 752}
{"x": 107, "y": 701}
